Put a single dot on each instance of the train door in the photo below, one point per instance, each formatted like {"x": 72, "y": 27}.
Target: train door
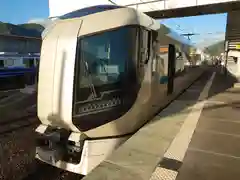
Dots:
{"x": 162, "y": 58}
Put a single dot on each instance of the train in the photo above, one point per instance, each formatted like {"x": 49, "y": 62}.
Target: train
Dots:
{"x": 99, "y": 68}
{"x": 18, "y": 67}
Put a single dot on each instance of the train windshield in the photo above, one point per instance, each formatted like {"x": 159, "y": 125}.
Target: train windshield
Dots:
{"x": 105, "y": 69}
{"x": 106, "y": 59}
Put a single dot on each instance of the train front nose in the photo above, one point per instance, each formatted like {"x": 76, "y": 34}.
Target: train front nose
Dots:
{"x": 56, "y": 74}
{"x": 84, "y": 82}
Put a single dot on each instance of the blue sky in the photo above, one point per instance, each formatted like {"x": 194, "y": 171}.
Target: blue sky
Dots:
{"x": 203, "y": 25}
{"x": 21, "y": 11}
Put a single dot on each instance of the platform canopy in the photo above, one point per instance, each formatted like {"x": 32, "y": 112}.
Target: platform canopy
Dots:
{"x": 152, "y": 7}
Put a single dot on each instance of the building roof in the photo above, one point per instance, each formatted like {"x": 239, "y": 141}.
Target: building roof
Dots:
{"x": 19, "y": 37}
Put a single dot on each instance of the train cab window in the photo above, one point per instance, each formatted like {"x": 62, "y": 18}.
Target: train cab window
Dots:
{"x": 105, "y": 59}
{"x": 105, "y": 75}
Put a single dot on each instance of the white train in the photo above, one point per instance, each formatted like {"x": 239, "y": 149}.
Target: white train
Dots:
{"x": 99, "y": 68}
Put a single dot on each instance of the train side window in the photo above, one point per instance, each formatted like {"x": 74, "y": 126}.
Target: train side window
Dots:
{"x": 31, "y": 62}
{"x": 1, "y": 63}
{"x": 144, "y": 50}
{"x": 9, "y": 62}
{"x": 149, "y": 43}
{"x": 25, "y": 62}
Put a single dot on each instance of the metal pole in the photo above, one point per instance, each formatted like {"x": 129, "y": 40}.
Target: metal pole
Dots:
{"x": 112, "y": 2}
{"x": 226, "y": 48}
{"x": 226, "y": 57}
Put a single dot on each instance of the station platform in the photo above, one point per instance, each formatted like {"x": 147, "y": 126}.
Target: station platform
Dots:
{"x": 196, "y": 137}
{"x": 214, "y": 150}
{"x": 207, "y": 146}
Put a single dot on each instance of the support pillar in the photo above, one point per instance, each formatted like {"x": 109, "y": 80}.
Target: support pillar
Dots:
{"x": 238, "y": 69}
{"x": 226, "y": 58}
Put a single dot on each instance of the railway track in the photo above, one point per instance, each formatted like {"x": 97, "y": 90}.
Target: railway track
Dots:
{"x": 18, "y": 124}
{"x": 46, "y": 172}
{"x": 29, "y": 118}
{"x": 7, "y": 93}
{"x": 39, "y": 170}
{"x": 43, "y": 171}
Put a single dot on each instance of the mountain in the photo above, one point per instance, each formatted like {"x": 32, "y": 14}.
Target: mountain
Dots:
{"x": 43, "y": 22}
{"x": 30, "y": 30}
{"x": 215, "y": 49}
{"x": 33, "y": 26}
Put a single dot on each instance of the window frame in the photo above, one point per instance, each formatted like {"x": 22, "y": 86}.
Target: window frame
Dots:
{"x": 148, "y": 50}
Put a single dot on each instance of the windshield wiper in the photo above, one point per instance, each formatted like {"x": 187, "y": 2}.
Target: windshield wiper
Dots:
{"x": 91, "y": 85}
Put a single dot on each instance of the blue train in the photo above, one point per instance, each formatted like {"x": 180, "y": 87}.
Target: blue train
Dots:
{"x": 18, "y": 68}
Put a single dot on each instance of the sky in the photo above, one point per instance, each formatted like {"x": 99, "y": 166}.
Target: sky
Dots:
{"x": 203, "y": 25}
{"x": 21, "y": 11}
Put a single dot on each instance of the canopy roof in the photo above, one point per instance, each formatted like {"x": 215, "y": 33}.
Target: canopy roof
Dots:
{"x": 60, "y": 7}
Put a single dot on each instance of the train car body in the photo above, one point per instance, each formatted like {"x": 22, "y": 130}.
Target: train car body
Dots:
{"x": 97, "y": 73}
{"x": 165, "y": 37}
{"x": 18, "y": 67}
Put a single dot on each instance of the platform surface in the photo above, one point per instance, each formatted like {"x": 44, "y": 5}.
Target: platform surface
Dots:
{"x": 210, "y": 149}
{"x": 214, "y": 150}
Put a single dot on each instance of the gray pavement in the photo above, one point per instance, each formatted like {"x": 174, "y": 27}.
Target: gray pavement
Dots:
{"x": 187, "y": 109}
{"x": 214, "y": 150}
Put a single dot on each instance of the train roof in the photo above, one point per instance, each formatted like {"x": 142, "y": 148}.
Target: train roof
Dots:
{"x": 89, "y": 10}
{"x": 105, "y": 17}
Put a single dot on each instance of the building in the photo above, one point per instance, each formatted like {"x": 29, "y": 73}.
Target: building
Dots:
{"x": 232, "y": 45}
{"x": 20, "y": 44}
